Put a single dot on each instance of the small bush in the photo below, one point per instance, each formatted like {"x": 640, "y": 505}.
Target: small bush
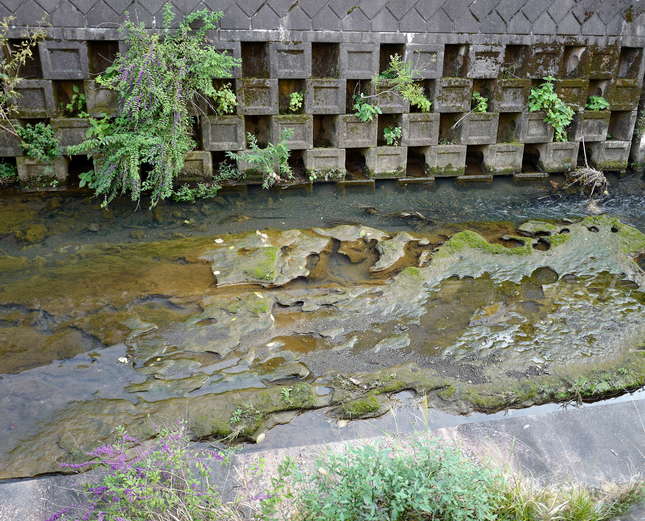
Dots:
{"x": 480, "y": 103}
{"x": 365, "y": 111}
{"x": 392, "y": 135}
{"x": 39, "y": 142}
{"x": 8, "y": 173}
{"x": 296, "y": 100}
{"x": 597, "y": 103}
{"x": 401, "y": 76}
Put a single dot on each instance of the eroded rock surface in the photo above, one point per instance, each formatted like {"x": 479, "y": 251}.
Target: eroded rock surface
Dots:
{"x": 231, "y": 331}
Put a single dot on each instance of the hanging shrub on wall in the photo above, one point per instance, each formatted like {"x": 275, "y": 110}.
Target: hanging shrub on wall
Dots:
{"x": 158, "y": 79}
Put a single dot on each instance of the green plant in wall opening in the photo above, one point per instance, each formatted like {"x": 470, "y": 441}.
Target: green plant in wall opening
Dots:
{"x": 157, "y": 80}
{"x": 557, "y": 113}
{"x": 77, "y": 105}
{"x": 479, "y": 102}
{"x": 8, "y": 173}
{"x": 296, "y": 100}
{"x": 188, "y": 194}
{"x": 224, "y": 100}
{"x": 365, "y": 111}
{"x": 392, "y": 135}
{"x": 597, "y": 103}
{"x": 400, "y": 77}
{"x": 271, "y": 161}
{"x": 39, "y": 142}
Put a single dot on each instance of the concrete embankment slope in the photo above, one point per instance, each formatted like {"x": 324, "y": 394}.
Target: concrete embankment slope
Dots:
{"x": 589, "y": 444}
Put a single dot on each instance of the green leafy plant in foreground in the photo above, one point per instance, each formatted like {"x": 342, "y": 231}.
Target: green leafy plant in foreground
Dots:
{"x": 365, "y": 111}
{"x": 39, "y": 142}
{"x": 392, "y": 135}
{"x": 597, "y": 103}
{"x": 296, "y": 100}
{"x": 558, "y": 114}
{"x": 480, "y": 103}
{"x": 271, "y": 161}
{"x": 157, "y": 80}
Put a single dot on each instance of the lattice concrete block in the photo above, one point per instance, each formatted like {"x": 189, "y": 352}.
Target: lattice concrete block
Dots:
{"x": 603, "y": 62}
{"x": 351, "y": 132}
{"x": 384, "y": 162}
{"x": 100, "y": 100}
{"x": 389, "y": 99}
{"x": 290, "y": 60}
{"x": 478, "y": 128}
{"x": 223, "y": 132}
{"x": 31, "y": 171}
{"x": 546, "y": 60}
{"x": 65, "y": 60}
{"x": 70, "y": 131}
{"x": 623, "y": 94}
{"x": 453, "y": 95}
{"x": 420, "y": 129}
{"x": 325, "y": 163}
{"x": 233, "y": 49}
{"x": 446, "y": 160}
{"x": 533, "y": 129}
{"x": 592, "y": 125}
{"x": 609, "y": 155}
{"x": 484, "y": 61}
{"x": 257, "y": 96}
{"x": 198, "y": 166}
{"x": 9, "y": 143}
{"x": 573, "y": 92}
{"x": 359, "y": 61}
{"x": 36, "y": 98}
{"x": 426, "y": 60}
{"x": 325, "y": 96}
{"x": 557, "y": 157}
{"x": 510, "y": 95}
{"x": 301, "y": 126}
{"x": 503, "y": 158}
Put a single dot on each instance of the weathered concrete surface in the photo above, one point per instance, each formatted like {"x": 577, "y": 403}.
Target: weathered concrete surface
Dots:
{"x": 590, "y": 444}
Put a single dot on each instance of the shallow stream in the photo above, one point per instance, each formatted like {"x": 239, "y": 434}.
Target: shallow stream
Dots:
{"x": 238, "y": 313}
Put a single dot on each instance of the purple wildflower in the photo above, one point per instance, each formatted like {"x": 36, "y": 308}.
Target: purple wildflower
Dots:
{"x": 98, "y": 491}
{"x": 262, "y": 497}
{"x": 59, "y": 514}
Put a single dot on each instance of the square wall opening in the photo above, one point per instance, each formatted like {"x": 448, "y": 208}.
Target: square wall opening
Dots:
{"x": 429, "y": 87}
{"x": 515, "y": 64}
{"x": 386, "y": 51}
{"x": 297, "y": 164}
{"x": 101, "y": 54}
{"x": 573, "y": 60}
{"x": 448, "y": 134}
{"x": 629, "y": 62}
{"x": 455, "y": 60}
{"x": 416, "y": 162}
{"x": 324, "y": 131}
{"x": 598, "y": 88}
{"x": 621, "y": 126}
{"x": 220, "y": 161}
{"x": 355, "y": 163}
{"x": 474, "y": 160}
{"x": 508, "y": 130}
{"x": 325, "y": 60}
{"x": 255, "y": 59}
{"x": 285, "y": 89}
{"x": 391, "y": 122}
{"x": 530, "y": 158}
{"x": 260, "y": 127}
{"x": 32, "y": 69}
{"x": 76, "y": 166}
{"x": 355, "y": 88}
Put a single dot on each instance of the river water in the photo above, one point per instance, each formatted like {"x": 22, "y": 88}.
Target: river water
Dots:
{"x": 136, "y": 317}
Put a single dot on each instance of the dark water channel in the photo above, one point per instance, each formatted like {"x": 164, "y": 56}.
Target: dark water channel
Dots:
{"x": 137, "y": 317}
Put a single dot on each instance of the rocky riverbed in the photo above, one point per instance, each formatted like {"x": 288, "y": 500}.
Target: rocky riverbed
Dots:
{"x": 238, "y": 332}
